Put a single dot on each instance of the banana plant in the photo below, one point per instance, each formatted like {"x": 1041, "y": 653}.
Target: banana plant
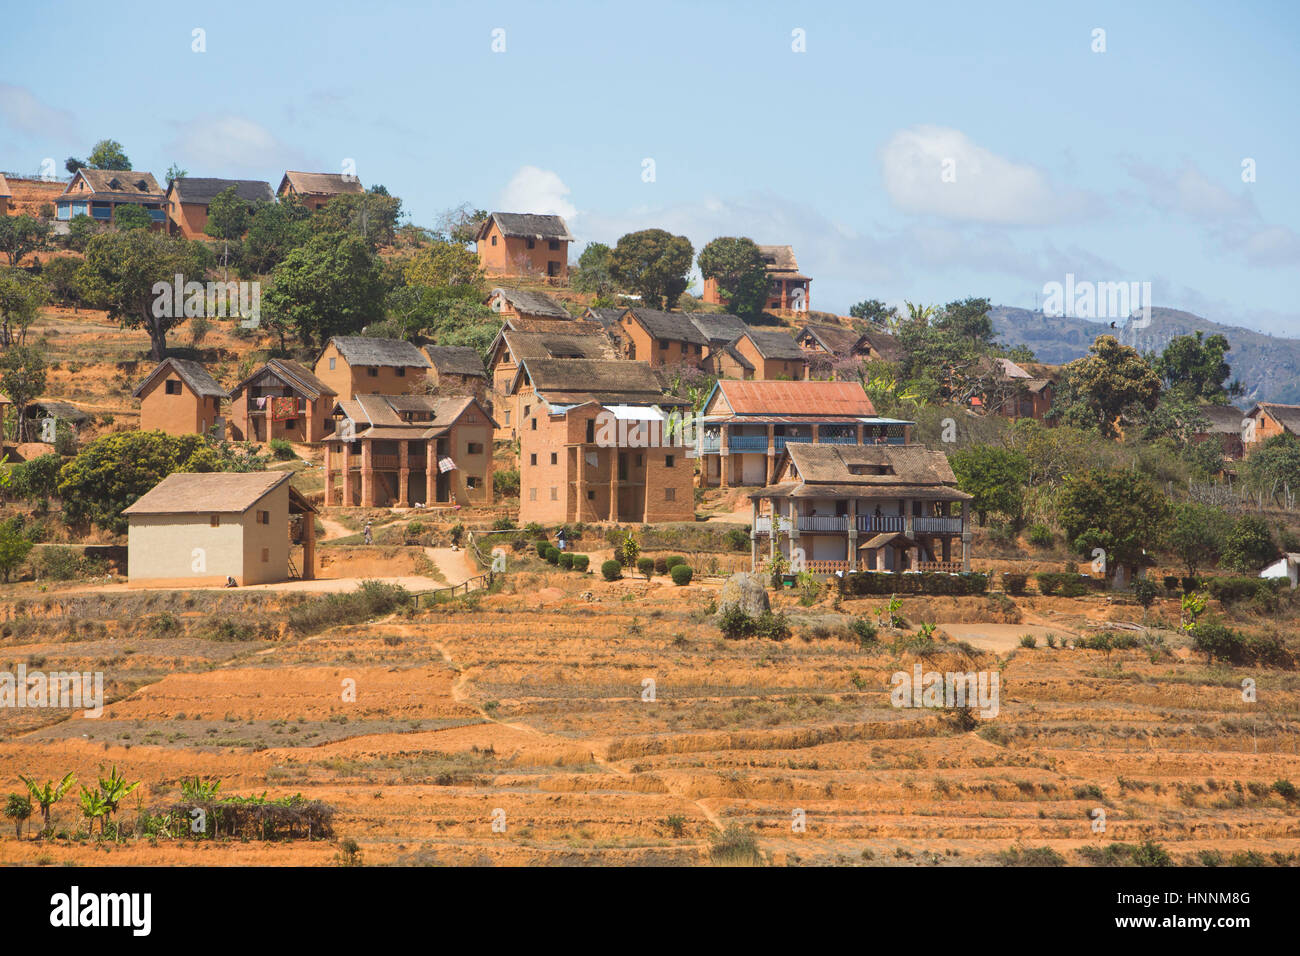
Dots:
{"x": 114, "y": 789}
{"x": 47, "y": 795}
{"x": 93, "y": 807}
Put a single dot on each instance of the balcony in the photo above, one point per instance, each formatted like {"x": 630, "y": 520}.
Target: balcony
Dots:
{"x": 764, "y": 525}
{"x": 880, "y": 524}
{"x": 936, "y": 525}
{"x": 824, "y": 523}
{"x": 747, "y": 443}
{"x": 783, "y": 440}
{"x": 838, "y": 439}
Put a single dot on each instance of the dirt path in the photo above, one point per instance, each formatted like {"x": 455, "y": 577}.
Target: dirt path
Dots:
{"x": 333, "y": 529}
{"x": 456, "y": 567}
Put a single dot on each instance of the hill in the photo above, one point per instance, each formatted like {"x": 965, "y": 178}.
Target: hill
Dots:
{"x": 1268, "y": 366}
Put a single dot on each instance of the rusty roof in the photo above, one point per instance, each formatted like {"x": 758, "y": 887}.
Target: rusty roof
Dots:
{"x": 845, "y": 399}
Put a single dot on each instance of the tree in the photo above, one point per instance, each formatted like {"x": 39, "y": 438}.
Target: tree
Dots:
{"x": 443, "y": 263}
{"x": 461, "y": 223}
{"x": 331, "y": 286}
{"x": 121, "y": 269}
{"x": 1274, "y": 466}
{"x": 47, "y": 796}
{"x": 228, "y": 218}
{"x": 871, "y": 310}
{"x": 1175, "y": 418}
{"x": 108, "y": 154}
{"x": 1248, "y": 546}
{"x": 1196, "y": 368}
{"x": 80, "y": 230}
{"x": 737, "y": 266}
{"x": 113, "y": 471}
{"x": 967, "y": 320}
{"x": 14, "y": 548}
{"x": 996, "y": 477}
{"x": 1121, "y": 512}
{"x": 72, "y": 164}
{"x": 21, "y": 298}
{"x": 61, "y": 276}
{"x": 22, "y": 378}
{"x": 18, "y": 808}
{"x": 1111, "y": 380}
{"x": 174, "y": 172}
{"x": 20, "y": 235}
{"x": 372, "y": 216}
{"x": 593, "y": 275}
{"x": 276, "y": 229}
{"x": 1196, "y": 535}
{"x": 654, "y": 264}
{"x": 130, "y": 216}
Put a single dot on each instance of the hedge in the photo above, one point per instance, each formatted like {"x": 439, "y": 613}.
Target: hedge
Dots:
{"x": 552, "y": 554}
{"x": 926, "y": 582}
{"x": 646, "y": 566}
{"x": 1014, "y": 582}
{"x": 612, "y": 570}
{"x": 1066, "y": 584}
{"x": 681, "y": 574}
{"x": 1232, "y": 590}
{"x": 672, "y": 561}
{"x": 580, "y": 562}
{"x": 566, "y": 560}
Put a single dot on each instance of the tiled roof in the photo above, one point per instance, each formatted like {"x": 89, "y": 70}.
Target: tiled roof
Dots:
{"x": 802, "y": 398}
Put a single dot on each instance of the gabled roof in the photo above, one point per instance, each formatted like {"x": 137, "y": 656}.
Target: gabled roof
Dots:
{"x": 605, "y": 316}
{"x": 217, "y": 492}
{"x": 1009, "y": 369}
{"x": 531, "y": 303}
{"x": 320, "y": 184}
{"x": 774, "y": 345}
{"x": 556, "y": 345}
{"x": 1223, "y": 419}
{"x": 835, "y": 339}
{"x": 521, "y": 225}
{"x": 194, "y": 375}
{"x": 4, "y": 187}
{"x": 914, "y": 466}
{"x": 55, "y": 409}
{"x": 780, "y": 262}
{"x": 668, "y": 326}
{"x": 455, "y": 360}
{"x": 1288, "y": 416}
{"x": 291, "y": 373}
{"x": 843, "y": 399}
{"x": 881, "y": 343}
{"x": 386, "y": 416}
{"x": 120, "y": 182}
{"x": 576, "y": 381}
{"x": 719, "y": 328}
{"x": 195, "y": 190}
{"x": 564, "y": 326}
{"x": 388, "y": 353}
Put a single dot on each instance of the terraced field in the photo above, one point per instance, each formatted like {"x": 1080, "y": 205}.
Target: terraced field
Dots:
{"x": 519, "y": 728}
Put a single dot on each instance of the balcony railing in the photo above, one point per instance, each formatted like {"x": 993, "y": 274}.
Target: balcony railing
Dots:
{"x": 936, "y": 525}
{"x": 764, "y": 525}
{"x": 838, "y": 439}
{"x": 880, "y": 524}
{"x": 747, "y": 443}
{"x": 823, "y": 522}
{"x": 783, "y": 440}
{"x": 385, "y": 462}
{"x": 826, "y": 567}
{"x": 951, "y": 567}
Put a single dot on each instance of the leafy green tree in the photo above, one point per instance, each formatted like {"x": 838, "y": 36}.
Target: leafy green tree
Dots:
{"x": 996, "y": 477}
{"x": 61, "y": 276}
{"x": 1249, "y": 546}
{"x": 737, "y": 266}
{"x": 174, "y": 172}
{"x": 1101, "y": 386}
{"x": 18, "y": 808}
{"x": 331, "y": 286}
{"x": 654, "y": 264}
{"x": 968, "y": 321}
{"x": 22, "y": 378}
{"x": 81, "y": 229}
{"x": 36, "y": 478}
{"x": 593, "y": 275}
{"x": 72, "y": 164}
{"x": 1175, "y": 418}
{"x": 275, "y": 230}
{"x": 228, "y": 218}
{"x": 1197, "y": 368}
{"x": 871, "y": 310}
{"x": 1274, "y": 466}
{"x": 21, "y": 235}
{"x": 372, "y": 216}
{"x": 121, "y": 269}
{"x": 47, "y": 795}
{"x": 21, "y": 297}
{"x": 112, "y": 472}
{"x": 93, "y": 808}
{"x": 14, "y": 548}
{"x": 1197, "y": 534}
{"x": 443, "y": 263}
{"x": 108, "y": 154}
{"x": 1122, "y": 512}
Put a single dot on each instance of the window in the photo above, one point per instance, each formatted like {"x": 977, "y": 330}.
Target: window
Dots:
{"x": 214, "y": 521}
{"x": 553, "y": 244}
{"x": 494, "y": 240}
{"x": 555, "y": 494}
{"x": 532, "y": 460}
{"x": 670, "y": 494}
{"x": 173, "y": 386}
{"x": 266, "y": 555}
{"x": 507, "y": 416}
{"x": 554, "y": 459}
{"x": 669, "y": 461}
{"x": 532, "y": 243}
{"x": 640, "y": 460}
{"x": 472, "y": 482}
{"x": 264, "y": 517}
{"x": 291, "y": 423}
{"x": 591, "y": 430}
{"x": 533, "y": 422}
{"x": 591, "y": 496}
{"x": 372, "y": 371}
{"x": 333, "y": 361}
{"x": 532, "y": 494}
{"x": 401, "y": 372}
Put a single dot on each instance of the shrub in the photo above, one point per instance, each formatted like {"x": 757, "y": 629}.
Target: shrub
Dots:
{"x": 672, "y": 561}
{"x": 566, "y": 560}
{"x": 734, "y": 846}
{"x": 1014, "y": 583}
{"x": 552, "y": 554}
{"x": 1191, "y": 584}
{"x": 1064, "y": 583}
{"x": 611, "y": 570}
{"x": 503, "y": 524}
{"x": 36, "y": 479}
{"x": 535, "y": 531}
{"x": 864, "y": 629}
{"x": 737, "y": 540}
{"x": 646, "y": 566}
{"x": 734, "y": 622}
{"x": 370, "y": 600}
{"x": 661, "y": 565}
{"x": 927, "y": 582}
{"x": 1040, "y": 536}
{"x": 505, "y": 483}
{"x": 57, "y": 563}
{"x": 580, "y": 562}
{"x": 542, "y": 547}
{"x": 1029, "y": 641}
{"x": 681, "y": 574}
{"x": 282, "y": 450}
{"x": 1171, "y": 582}
{"x": 1232, "y": 590}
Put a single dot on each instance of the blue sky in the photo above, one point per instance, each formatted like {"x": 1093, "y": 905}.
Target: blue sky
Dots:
{"x": 1122, "y": 165}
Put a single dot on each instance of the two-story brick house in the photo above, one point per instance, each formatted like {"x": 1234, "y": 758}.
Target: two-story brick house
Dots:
{"x": 359, "y": 365}
{"x": 524, "y": 244}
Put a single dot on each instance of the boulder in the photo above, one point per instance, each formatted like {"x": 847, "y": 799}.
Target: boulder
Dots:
{"x": 745, "y": 590}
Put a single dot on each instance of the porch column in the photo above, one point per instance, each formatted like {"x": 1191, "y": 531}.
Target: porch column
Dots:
{"x": 771, "y": 538}
{"x": 270, "y": 421}
{"x": 367, "y": 474}
{"x": 403, "y": 472}
{"x": 308, "y": 545}
{"x": 613, "y": 485}
{"x": 794, "y": 527}
{"x": 580, "y": 470}
{"x": 307, "y": 432}
{"x": 347, "y": 474}
{"x": 430, "y": 471}
{"x": 907, "y": 434}
{"x": 771, "y": 454}
{"x": 329, "y": 474}
{"x": 816, "y": 433}
{"x": 853, "y": 534}
{"x": 724, "y": 461}
{"x": 859, "y": 433}
{"x": 753, "y": 536}
{"x": 965, "y": 536}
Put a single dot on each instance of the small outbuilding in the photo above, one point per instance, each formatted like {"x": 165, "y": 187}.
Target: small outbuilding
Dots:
{"x": 1287, "y": 566}
{"x": 179, "y": 397}
{"x": 202, "y": 530}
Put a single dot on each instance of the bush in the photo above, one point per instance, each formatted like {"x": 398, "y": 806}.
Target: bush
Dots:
{"x": 505, "y": 483}
{"x": 1232, "y": 590}
{"x": 1171, "y": 582}
{"x": 661, "y": 565}
{"x": 282, "y": 450}
{"x": 1145, "y": 591}
{"x": 1191, "y": 584}
{"x": 566, "y": 560}
{"x": 58, "y": 564}
{"x": 737, "y": 540}
{"x": 503, "y": 524}
{"x": 735, "y": 623}
{"x": 370, "y": 600}
{"x": 580, "y": 562}
{"x": 1040, "y": 536}
{"x": 1028, "y": 641}
{"x": 681, "y": 574}
{"x": 672, "y": 561}
{"x": 36, "y": 479}
{"x": 927, "y": 582}
{"x": 1063, "y": 583}
{"x": 646, "y": 566}
{"x": 864, "y": 629}
{"x": 552, "y": 554}
{"x": 542, "y": 547}
{"x": 611, "y": 570}
{"x": 535, "y": 531}
{"x": 1014, "y": 583}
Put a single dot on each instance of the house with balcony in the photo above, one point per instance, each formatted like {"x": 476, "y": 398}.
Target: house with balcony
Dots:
{"x": 747, "y": 425}
{"x": 282, "y": 399}
{"x": 597, "y": 446}
{"x": 839, "y": 508}
{"x": 98, "y": 193}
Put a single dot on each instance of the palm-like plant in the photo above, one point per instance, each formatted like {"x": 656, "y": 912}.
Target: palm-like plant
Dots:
{"x": 48, "y": 795}
{"x": 93, "y": 807}
{"x": 18, "y": 808}
{"x": 114, "y": 789}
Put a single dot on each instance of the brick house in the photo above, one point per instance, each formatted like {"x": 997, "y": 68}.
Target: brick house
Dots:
{"x": 774, "y": 355}
{"x": 456, "y": 369}
{"x": 359, "y": 365}
{"x": 594, "y": 448}
{"x": 523, "y": 244}
{"x": 746, "y": 425}
{"x": 1225, "y": 427}
{"x": 188, "y": 200}
{"x": 512, "y": 393}
{"x": 524, "y": 304}
{"x": 98, "y": 193}
{"x": 659, "y": 338}
{"x": 789, "y": 290}
{"x": 5, "y": 195}
{"x": 879, "y": 507}
{"x": 1268, "y": 419}
{"x": 407, "y": 450}
{"x": 317, "y": 189}
{"x": 179, "y": 397}
{"x": 282, "y": 399}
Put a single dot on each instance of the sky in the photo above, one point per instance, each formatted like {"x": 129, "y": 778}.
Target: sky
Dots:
{"x": 920, "y": 152}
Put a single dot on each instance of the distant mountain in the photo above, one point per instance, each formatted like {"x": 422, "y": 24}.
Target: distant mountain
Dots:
{"x": 1269, "y": 367}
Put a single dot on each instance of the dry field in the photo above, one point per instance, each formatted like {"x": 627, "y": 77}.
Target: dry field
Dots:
{"x": 526, "y": 707}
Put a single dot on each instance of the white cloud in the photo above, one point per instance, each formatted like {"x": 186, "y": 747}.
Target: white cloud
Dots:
{"x": 230, "y": 141}
{"x": 939, "y": 171}
{"x": 538, "y": 191}
{"x": 21, "y": 110}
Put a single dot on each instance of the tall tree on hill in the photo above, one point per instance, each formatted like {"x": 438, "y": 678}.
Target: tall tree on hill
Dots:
{"x": 276, "y": 229}
{"x": 1197, "y": 368}
{"x": 22, "y": 378}
{"x": 654, "y": 264}
{"x": 121, "y": 270}
{"x": 461, "y": 223}
{"x": 20, "y": 235}
{"x": 21, "y": 298}
{"x": 1121, "y": 512}
{"x": 593, "y": 275}
{"x": 737, "y": 266}
{"x": 228, "y": 218}
{"x": 106, "y": 154}
{"x": 371, "y": 215}
{"x": 331, "y": 286}
{"x": 1101, "y": 386}
{"x": 968, "y": 320}
{"x": 871, "y": 310}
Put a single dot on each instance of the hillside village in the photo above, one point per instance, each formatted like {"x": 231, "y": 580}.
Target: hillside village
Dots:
{"x": 312, "y": 413}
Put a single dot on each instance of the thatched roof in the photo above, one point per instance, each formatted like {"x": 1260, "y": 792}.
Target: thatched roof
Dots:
{"x": 1223, "y": 419}
{"x": 531, "y": 303}
{"x": 835, "y": 339}
{"x": 216, "y": 492}
{"x": 320, "y": 184}
{"x": 119, "y": 182}
{"x": 362, "y": 350}
{"x": 203, "y": 191}
{"x": 719, "y": 328}
{"x": 521, "y": 225}
{"x": 775, "y": 345}
{"x": 194, "y": 375}
{"x": 293, "y": 374}
{"x": 669, "y": 326}
{"x": 1288, "y": 416}
{"x": 556, "y": 345}
{"x": 573, "y": 381}
{"x": 897, "y": 464}
{"x": 456, "y": 360}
